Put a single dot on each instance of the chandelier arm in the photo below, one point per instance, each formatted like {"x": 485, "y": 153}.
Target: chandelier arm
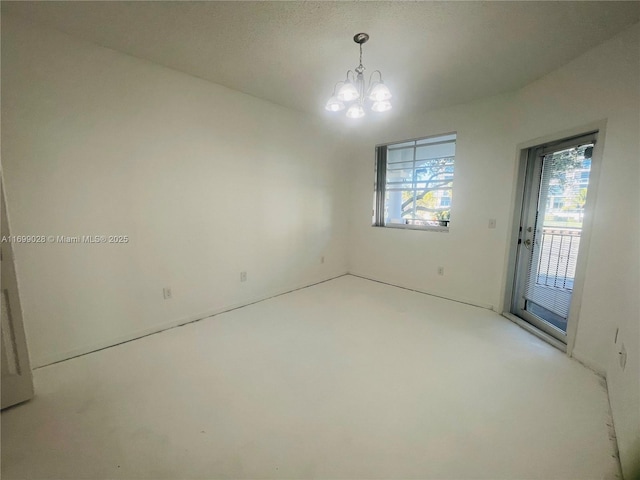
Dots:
{"x": 336, "y": 86}
{"x": 371, "y": 77}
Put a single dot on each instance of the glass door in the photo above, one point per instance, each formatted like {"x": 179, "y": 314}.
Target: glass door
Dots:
{"x": 556, "y": 186}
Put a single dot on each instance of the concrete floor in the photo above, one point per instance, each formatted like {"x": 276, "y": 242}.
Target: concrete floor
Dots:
{"x": 345, "y": 379}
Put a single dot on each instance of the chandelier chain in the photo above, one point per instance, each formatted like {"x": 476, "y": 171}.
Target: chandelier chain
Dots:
{"x": 360, "y": 68}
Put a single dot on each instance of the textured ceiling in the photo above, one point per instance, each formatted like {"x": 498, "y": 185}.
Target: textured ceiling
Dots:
{"x": 432, "y": 54}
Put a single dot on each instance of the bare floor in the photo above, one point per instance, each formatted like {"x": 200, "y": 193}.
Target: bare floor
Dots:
{"x": 346, "y": 379}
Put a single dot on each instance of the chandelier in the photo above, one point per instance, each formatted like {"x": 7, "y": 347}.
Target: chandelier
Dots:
{"x": 353, "y": 94}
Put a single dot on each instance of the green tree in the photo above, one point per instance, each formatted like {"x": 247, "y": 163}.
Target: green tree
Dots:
{"x": 432, "y": 175}
{"x": 580, "y": 201}
{"x": 562, "y": 163}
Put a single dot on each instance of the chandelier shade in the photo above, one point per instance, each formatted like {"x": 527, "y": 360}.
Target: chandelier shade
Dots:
{"x": 381, "y": 106}
{"x": 348, "y": 92}
{"x": 353, "y": 93}
{"x": 334, "y": 104}
{"x": 355, "y": 111}
{"x": 380, "y": 92}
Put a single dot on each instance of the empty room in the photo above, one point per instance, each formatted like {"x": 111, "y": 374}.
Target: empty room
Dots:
{"x": 320, "y": 240}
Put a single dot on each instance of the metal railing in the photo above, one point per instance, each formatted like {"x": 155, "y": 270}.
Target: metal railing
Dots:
{"x": 558, "y": 256}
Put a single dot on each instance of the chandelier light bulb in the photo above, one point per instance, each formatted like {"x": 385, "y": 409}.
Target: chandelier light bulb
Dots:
{"x": 355, "y": 111}
{"x": 382, "y": 106}
{"x": 348, "y": 92}
{"x": 334, "y": 104}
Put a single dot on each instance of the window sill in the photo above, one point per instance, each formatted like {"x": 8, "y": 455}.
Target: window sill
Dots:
{"x": 440, "y": 229}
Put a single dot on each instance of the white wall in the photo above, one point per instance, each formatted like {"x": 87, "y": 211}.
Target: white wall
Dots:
{"x": 470, "y": 253}
{"x": 205, "y": 181}
{"x": 601, "y": 85}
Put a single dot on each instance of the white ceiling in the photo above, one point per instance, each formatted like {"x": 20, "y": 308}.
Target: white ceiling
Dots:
{"x": 432, "y": 54}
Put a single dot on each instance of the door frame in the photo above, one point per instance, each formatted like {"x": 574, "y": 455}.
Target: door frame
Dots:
{"x": 517, "y": 203}
{"x": 17, "y": 387}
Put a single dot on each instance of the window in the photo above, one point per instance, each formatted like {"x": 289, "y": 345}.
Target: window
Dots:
{"x": 414, "y": 181}
{"x": 584, "y": 177}
{"x": 555, "y": 188}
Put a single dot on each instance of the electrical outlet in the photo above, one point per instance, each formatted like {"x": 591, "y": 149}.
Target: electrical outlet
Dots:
{"x": 492, "y": 223}
{"x": 623, "y": 356}
{"x": 440, "y": 270}
{"x": 166, "y": 293}
{"x": 243, "y": 276}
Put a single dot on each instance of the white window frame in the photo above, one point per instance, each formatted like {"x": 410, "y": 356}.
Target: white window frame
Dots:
{"x": 381, "y": 185}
